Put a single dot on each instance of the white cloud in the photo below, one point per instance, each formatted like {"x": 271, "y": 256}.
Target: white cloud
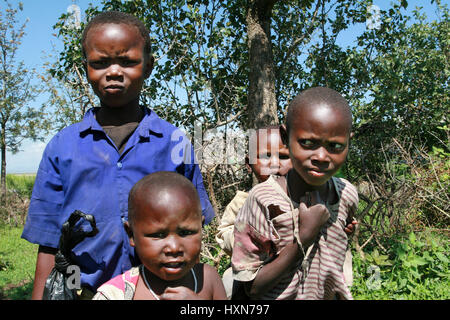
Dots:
{"x": 27, "y": 160}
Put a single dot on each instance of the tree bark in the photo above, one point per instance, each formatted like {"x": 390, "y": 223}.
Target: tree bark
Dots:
{"x": 3, "y": 165}
{"x": 262, "y": 102}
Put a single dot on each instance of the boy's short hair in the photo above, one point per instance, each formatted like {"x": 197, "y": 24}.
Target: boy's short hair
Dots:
{"x": 118, "y": 17}
{"x": 161, "y": 181}
{"x": 318, "y": 95}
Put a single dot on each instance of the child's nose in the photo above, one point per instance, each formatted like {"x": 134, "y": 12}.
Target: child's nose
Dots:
{"x": 173, "y": 245}
{"x": 114, "y": 71}
{"x": 320, "y": 154}
{"x": 274, "y": 161}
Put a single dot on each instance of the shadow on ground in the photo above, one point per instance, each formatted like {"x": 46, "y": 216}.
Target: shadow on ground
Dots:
{"x": 21, "y": 291}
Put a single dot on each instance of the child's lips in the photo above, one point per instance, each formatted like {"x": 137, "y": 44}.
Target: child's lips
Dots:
{"x": 173, "y": 265}
{"x": 317, "y": 173}
{"x": 114, "y": 89}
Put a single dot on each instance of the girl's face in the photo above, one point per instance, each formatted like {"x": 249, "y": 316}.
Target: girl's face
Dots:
{"x": 166, "y": 233}
{"x": 318, "y": 143}
{"x": 272, "y": 156}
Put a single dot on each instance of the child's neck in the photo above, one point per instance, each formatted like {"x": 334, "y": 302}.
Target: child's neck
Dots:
{"x": 117, "y": 116}
{"x": 297, "y": 187}
{"x": 159, "y": 285}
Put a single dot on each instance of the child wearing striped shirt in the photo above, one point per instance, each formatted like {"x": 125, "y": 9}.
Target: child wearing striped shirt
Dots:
{"x": 290, "y": 240}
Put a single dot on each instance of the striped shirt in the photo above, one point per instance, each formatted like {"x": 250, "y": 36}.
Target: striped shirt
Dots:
{"x": 268, "y": 222}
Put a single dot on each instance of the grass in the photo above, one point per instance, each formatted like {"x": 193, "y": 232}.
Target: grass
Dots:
{"x": 17, "y": 264}
{"x": 21, "y": 183}
{"x": 17, "y": 256}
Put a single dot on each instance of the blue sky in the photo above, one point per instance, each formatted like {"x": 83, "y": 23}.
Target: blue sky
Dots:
{"x": 38, "y": 42}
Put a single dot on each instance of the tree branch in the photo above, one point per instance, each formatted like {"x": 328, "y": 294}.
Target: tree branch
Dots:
{"x": 299, "y": 40}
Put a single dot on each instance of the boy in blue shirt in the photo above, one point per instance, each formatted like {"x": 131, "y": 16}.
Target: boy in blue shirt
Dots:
{"x": 92, "y": 165}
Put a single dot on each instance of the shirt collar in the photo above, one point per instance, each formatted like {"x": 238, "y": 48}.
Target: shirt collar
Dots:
{"x": 150, "y": 122}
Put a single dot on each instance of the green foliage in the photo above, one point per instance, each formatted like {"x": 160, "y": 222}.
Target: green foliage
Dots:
{"x": 401, "y": 79}
{"x": 15, "y": 206}
{"x": 21, "y": 184}
{"x": 412, "y": 269}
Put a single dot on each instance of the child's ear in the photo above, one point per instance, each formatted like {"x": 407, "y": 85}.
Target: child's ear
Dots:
{"x": 284, "y": 135}
{"x": 149, "y": 66}
{"x": 247, "y": 165}
{"x": 85, "y": 67}
{"x": 129, "y": 232}
{"x": 352, "y": 134}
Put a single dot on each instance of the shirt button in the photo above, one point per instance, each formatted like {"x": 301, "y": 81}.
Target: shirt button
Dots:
{"x": 119, "y": 165}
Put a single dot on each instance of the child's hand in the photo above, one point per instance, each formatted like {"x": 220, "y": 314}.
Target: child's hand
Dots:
{"x": 310, "y": 221}
{"x": 179, "y": 293}
{"x": 350, "y": 227}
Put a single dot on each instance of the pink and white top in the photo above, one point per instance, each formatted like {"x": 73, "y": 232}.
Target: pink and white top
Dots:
{"x": 121, "y": 287}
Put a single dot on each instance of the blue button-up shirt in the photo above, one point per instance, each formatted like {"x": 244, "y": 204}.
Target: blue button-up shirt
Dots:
{"x": 81, "y": 169}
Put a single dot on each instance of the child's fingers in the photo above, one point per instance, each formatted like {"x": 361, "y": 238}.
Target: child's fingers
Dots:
{"x": 302, "y": 207}
{"x": 178, "y": 293}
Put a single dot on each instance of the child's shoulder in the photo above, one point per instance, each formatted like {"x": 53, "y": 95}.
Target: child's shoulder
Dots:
{"x": 205, "y": 271}
{"x": 262, "y": 187}
{"x": 66, "y": 136}
{"x": 346, "y": 189}
{"x": 159, "y": 125}
{"x": 269, "y": 192}
{"x": 212, "y": 282}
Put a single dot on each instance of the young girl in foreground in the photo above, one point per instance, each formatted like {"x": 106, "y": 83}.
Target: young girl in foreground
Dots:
{"x": 289, "y": 238}
{"x": 165, "y": 226}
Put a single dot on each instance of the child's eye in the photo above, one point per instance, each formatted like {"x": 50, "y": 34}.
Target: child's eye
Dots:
{"x": 264, "y": 156}
{"x": 99, "y": 64}
{"x": 157, "y": 235}
{"x": 307, "y": 143}
{"x": 284, "y": 156}
{"x": 336, "y": 146}
{"x": 185, "y": 232}
{"x": 128, "y": 63}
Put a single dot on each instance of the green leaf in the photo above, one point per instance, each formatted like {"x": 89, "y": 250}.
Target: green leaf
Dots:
{"x": 441, "y": 257}
{"x": 412, "y": 238}
{"x": 419, "y": 261}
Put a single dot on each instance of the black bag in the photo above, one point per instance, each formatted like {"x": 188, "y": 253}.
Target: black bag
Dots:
{"x": 56, "y": 286}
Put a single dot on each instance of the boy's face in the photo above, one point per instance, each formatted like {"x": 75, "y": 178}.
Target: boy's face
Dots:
{"x": 272, "y": 156}
{"x": 116, "y": 64}
{"x": 318, "y": 143}
{"x": 167, "y": 232}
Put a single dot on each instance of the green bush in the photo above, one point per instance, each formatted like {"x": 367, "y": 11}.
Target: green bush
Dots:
{"x": 411, "y": 268}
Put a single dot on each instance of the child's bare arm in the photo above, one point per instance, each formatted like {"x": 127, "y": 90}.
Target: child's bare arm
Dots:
{"x": 312, "y": 219}
{"x": 213, "y": 280}
{"x": 44, "y": 265}
{"x": 269, "y": 275}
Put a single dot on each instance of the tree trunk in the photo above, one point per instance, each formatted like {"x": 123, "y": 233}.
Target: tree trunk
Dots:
{"x": 3, "y": 170}
{"x": 262, "y": 102}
